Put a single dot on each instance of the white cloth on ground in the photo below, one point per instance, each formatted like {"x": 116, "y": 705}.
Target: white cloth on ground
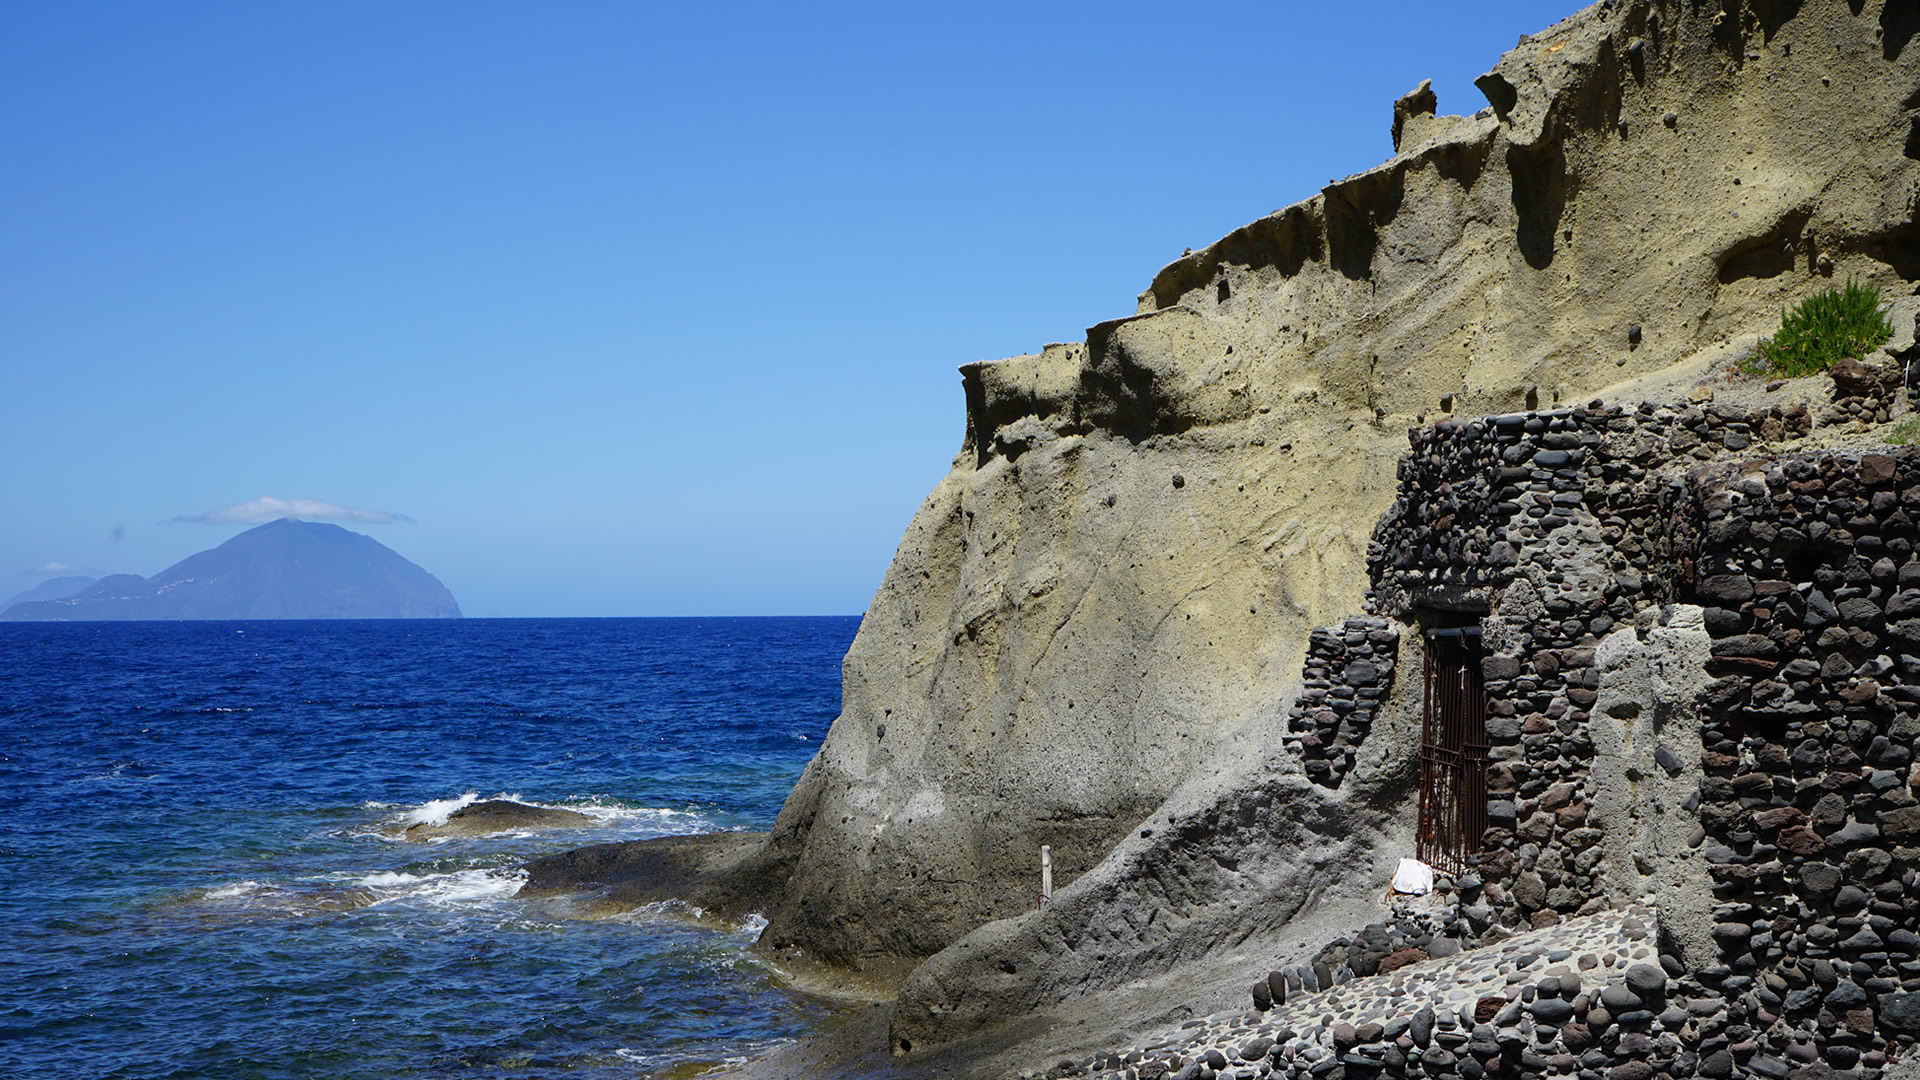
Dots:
{"x": 1414, "y": 878}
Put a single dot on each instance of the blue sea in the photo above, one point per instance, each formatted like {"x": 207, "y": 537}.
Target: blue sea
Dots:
{"x": 204, "y": 872}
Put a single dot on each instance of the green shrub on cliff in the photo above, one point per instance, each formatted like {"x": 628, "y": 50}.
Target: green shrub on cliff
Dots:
{"x": 1821, "y": 329}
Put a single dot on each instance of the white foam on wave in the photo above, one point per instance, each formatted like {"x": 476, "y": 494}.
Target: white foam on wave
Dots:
{"x": 237, "y": 891}
{"x": 654, "y": 1059}
{"x": 665, "y": 1059}
{"x": 654, "y": 820}
{"x": 458, "y": 889}
{"x": 628, "y": 822}
{"x": 678, "y": 911}
{"x": 437, "y": 811}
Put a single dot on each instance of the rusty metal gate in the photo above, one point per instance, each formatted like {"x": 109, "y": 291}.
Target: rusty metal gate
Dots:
{"x": 1453, "y": 751}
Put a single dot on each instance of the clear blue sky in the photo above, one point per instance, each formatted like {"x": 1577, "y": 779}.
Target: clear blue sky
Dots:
{"x": 632, "y": 309}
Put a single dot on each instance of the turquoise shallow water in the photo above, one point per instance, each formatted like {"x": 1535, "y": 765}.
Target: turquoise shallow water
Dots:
{"x": 201, "y": 873}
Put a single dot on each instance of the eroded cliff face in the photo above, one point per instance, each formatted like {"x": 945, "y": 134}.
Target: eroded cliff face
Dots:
{"x": 1098, "y": 617}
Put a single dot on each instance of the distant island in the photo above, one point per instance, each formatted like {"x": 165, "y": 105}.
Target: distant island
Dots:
{"x": 285, "y": 569}
{"x": 58, "y": 588}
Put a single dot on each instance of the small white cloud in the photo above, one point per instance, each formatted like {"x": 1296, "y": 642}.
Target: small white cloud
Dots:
{"x": 57, "y": 569}
{"x": 267, "y": 508}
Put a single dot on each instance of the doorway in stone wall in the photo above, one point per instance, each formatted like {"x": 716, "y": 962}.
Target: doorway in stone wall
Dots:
{"x": 1453, "y": 751}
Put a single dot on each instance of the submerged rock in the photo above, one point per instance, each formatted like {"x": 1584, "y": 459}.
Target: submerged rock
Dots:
{"x": 497, "y": 816}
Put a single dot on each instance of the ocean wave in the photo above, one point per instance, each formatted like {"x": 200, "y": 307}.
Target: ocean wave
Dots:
{"x": 297, "y": 898}
{"x": 451, "y": 891}
{"x": 460, "y": 888}
{"x": 236, "y": 890}
{"x": 651, "y": 1060}
{"x": 656, "y": 820}
{"x": 630, "y": 821}
{"x": 681, "y": 912}
{"x": 437, "y": 811}
{"x": 120, "y": 772}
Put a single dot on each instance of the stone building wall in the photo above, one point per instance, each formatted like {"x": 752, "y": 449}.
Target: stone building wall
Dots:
{"x": 1552, "y": 530}
{"x": 1810, "y": 825}
{"x": 1784, "y": 763}
{"x": 1701, "y": 657}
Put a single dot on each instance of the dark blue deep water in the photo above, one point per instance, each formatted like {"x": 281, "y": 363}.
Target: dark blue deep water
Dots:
{"x": 202, "y": 872}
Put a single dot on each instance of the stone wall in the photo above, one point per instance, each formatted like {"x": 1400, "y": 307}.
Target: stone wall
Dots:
{"x": 1555, "y": 529}
{"x": 1809, "y": 821}
{"x": 1347, "y": 674}
{"x": 1582, "y": 533}
{"x": 1702, "y": 664}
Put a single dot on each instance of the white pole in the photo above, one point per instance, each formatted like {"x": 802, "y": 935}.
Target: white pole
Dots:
{"x": 1046, "y": 874}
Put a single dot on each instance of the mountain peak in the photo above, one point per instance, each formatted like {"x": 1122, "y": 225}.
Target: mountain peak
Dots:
{"x": 284, "y": 569}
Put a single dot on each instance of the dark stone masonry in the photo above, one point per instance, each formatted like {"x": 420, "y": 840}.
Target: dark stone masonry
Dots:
{"x": 1701, "y": 661}
{"x": 1347, "y": 674}
{"x": 1563, "y": 531}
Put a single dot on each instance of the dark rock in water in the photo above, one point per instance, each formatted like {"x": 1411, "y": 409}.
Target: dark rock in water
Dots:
{"x": 498, "y": 815}
{"x": 718, "y": 872}
{"x": 282, "y": 570}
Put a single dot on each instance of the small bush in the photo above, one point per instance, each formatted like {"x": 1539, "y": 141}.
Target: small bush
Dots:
{"x": 1821, "y": 329}
{"x": 1906, "y": 432}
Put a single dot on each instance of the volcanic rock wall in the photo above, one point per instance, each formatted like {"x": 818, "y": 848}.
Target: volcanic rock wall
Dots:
{"x": 1111, "y": 593}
